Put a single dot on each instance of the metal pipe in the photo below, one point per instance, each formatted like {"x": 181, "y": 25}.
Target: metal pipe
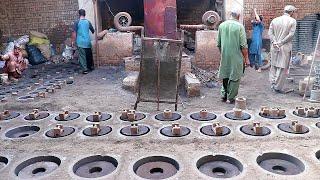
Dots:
{"x": 132, "y": 28}
{"x": 200, "y": 26}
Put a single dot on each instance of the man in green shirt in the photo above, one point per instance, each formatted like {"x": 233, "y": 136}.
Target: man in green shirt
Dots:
{"x": 232, "y": 43}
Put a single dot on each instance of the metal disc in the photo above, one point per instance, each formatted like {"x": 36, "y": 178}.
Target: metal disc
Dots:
{"x": 70, "y": 117}
{"x": 175, "y": 116}
{"x": 103, "y": 131}
{"x": 271, "y": 117}
{"x": 156, "y": 167}
{"x": 142, "y": 131}
{"x": 219, "y": 166}
{"x": 37, "y": 167}
{"x": 42, "y": 115}
{"x": 12, "y": 116}
{"x": 245, "y": 116}
{"x": 95, "y": 166}
{"x": 287, "y": 127}
{"x": 248, "y": 129}
{"x": 23, "y": 131}
{"x": 167, "y": 131}
{"x": 304, "y": 116}
{"x": 279, "y": 163}
{"x": 104, "y": 117}
{"x": 207, "y": 130}
{"x": 66, "y": 132}
{"x": 139, "y": 116}
{"x": 210, "y": 117}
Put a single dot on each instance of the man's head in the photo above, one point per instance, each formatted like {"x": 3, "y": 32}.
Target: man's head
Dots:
{"x": 235, "y": 13}
{"x": 17, "y": 49}
{"x": 289, "y": 9}
{"x": 82, "y": 12}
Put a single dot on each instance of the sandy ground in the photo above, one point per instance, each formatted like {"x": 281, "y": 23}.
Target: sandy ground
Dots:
{"x": 101, "y": 91}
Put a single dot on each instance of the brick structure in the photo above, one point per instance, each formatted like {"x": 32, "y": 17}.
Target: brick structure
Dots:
{"x": 52, "y": 17}
{"x": 271, "y": 9}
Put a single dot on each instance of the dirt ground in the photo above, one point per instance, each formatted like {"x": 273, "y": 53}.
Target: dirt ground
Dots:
{"x": 101, "y": 90}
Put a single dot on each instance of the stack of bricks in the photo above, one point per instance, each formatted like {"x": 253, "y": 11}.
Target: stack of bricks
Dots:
{"x": 52, "y": 17}
{"x": 270, "y": 9}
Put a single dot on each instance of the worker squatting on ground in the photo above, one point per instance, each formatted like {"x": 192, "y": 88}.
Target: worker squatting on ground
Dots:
{"x": 256, "y": 43}
{"x": 232, "y": 43}
{"x": 281, "y": 33}
{"x": 15, "y": 63}
{"x": 81, "y": 36}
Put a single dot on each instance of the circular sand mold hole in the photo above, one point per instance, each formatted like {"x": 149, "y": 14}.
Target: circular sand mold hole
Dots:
{"x": 167, "y": 131}
{"x": 37, "y": 167}
{"x": 156, "y": 167}
{"x": 95, "y": 166}
{"x": 219, "y": 166}
{"x": 318, "y": 155}
{"x": 23, "y": 131}
{"x": 280, "y": 163}
{"x": 3, "y": 162}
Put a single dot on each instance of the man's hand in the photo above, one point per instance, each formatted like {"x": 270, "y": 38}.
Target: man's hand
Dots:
{"x": 246, "y": 62}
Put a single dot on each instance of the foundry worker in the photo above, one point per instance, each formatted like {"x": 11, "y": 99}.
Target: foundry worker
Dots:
{"x": 232, "y": 43}
{"x": 256, "y": 42}
{"x": 15, "y": 63}
{"x": 281, "y": 33}
{"x": 81, "y": 35}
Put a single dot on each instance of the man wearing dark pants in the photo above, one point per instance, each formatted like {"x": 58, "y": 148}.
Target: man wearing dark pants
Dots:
{"x": 81, "y": 36}
{"x": 232, "y": 43}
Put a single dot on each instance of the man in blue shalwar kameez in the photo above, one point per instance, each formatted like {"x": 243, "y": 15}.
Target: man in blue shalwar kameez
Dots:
{"x": 256, "y": 43}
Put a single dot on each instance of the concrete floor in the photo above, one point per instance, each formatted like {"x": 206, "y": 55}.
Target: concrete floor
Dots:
{"x": 101, "y": 91}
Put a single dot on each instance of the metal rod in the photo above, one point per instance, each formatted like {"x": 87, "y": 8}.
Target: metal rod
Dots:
{"x": 160, "y": 39}
{"x": 158, "y": 83}
{"x": 96, "y": 33}
{"x": 314, "y": 57}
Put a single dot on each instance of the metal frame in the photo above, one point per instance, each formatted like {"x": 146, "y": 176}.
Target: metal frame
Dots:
{"x": 158, "y": 101}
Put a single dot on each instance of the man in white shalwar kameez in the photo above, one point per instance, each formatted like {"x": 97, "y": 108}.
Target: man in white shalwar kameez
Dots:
{"x": 281, "y": 33}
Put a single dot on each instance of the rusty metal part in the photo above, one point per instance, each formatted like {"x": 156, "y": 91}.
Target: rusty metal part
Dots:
{"x": 280, "y": 163}
{"x": 142, "y": 130}
{"x": 103, "y": 117}
{"x": 211, "y": 19}
{"x": 36, "y": 115}
{"x": 138, "y": 116}
{"x": 250, "y": 130}
{"x": 67, "y": 116}
{"x": 95, "y": 166}
{"x": 175, "y": 116}
{"x": 156, "y": 167}
{"x": 160, "y": 18}
{"x": 23, "y": 131}
{"x": 66, "y": 132}
{"x": 219, "y": 166}
{"x": 37, "y": 167}
{"x": 3, "y": 162}
{"x": 293, "y": 128}
{"x": 210, "y": 117}
{"x": 169, "y": 131}
{"x": 122, "y": 21}
{"x": 104, "y": 130}
{"x": 207, "y": 130}
{"x": 8, "y": 115}
{"x": 231, "y": 115}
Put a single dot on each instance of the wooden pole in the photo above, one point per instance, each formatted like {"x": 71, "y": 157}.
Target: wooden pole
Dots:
{"x": 96, "y": 33}
{"x": 314, "y": 57}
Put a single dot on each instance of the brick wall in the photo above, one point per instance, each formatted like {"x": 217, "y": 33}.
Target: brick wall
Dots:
{"x": 52, "y": 17}
{"x": 273, "y": 8}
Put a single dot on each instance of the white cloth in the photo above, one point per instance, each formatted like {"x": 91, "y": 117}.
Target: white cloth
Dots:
{"x": 277, "y": 77}
{"x": 281, "y": 32}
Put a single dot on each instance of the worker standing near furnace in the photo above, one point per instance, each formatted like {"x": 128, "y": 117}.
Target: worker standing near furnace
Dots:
{"x": 232, "y": 43}
{"x": 281, "y": 34}
{"x": 81, "y": 36}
